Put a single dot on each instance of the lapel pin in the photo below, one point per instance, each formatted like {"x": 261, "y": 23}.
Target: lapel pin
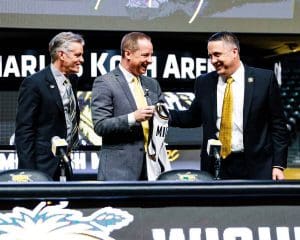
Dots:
{"x": 52, "y": 86}
{"x": 250, "y": 79}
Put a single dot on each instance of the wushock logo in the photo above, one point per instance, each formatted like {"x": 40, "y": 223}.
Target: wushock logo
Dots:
{"x": 55, "y": 222}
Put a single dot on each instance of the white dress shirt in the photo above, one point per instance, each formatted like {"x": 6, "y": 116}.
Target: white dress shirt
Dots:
{"x": 129, "y": 76}
{"x": 60, "y": 79}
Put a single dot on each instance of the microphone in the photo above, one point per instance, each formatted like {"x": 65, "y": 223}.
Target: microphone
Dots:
{"x": 213, "y": 149}
{"x": 146, "y": 95}
{"x": 59, "y": 148}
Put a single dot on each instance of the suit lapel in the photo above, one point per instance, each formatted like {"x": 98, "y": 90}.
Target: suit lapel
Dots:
{"x": 53, "y": 89}
{"x": 124, "y": 85}
{"x": 213, "y": 100}
{"x": 248, "y": 92}
{"x": 146, "y": 87}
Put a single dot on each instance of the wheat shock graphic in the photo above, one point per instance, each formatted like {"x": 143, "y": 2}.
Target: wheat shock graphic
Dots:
{"x": 149, "y": 4}
{"x": 97, "y": 4}
{"x": 86, "y": 126}
{"x": 197, "y": 11}
{"x": 55, "y": 222}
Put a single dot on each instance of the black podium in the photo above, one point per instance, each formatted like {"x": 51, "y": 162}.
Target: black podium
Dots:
{"x": 151, "y": 210}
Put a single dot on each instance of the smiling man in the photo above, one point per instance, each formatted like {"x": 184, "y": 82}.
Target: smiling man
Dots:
{"x": 47, "y": 106}
{"x": 122, "y": 104}
{"x": 241, "y": 106}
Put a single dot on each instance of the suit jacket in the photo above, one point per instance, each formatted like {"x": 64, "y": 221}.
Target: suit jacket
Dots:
{"x": 265, "y": 136}
{"x": 40, "y": 116}
{"x": 122, "y": 152}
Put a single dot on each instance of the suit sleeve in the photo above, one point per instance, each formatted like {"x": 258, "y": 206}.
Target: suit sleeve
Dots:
{"x": 191, "y": 117}
{"x": 280, "y": 135}
{"x": 158, "y": 91}
{"x": 26, "y": 117}
{"x": 104, "y": 120}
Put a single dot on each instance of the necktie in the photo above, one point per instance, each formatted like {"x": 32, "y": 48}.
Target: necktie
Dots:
{"x": 140, "y": 100}
{"x": 73, "y": 133}
{"x": 226, "y": 120}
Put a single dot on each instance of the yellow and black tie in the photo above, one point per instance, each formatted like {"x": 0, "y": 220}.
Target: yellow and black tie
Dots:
{"x": 226, "y": 120}
{"x": 141, "y": 102}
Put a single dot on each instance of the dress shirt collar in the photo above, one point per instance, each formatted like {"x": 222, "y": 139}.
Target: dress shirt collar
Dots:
{"x": 59, "y": 76}
{"x": 238, "y": 75}
{"x": 128, "y": 76}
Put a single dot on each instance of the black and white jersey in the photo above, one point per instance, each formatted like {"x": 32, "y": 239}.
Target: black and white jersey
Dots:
{"x": 157, "y": 157}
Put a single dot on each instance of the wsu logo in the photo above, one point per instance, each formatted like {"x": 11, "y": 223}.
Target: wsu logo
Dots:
{"x": 56, "y": 223}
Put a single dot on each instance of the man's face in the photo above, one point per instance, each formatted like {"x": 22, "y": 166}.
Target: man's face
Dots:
{"x": 72, "y": 59}
{"x": 141, "y": 58}
{"x": 224, "y": 57}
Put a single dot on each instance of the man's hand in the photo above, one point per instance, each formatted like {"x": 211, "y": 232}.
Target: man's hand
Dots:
{"x": 144, "y": 114}
{"x": 277, "y": 174}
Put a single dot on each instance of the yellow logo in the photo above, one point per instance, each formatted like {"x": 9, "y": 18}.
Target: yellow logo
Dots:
{"x": 173, "y": 155}
{"x": 21, "y": 177}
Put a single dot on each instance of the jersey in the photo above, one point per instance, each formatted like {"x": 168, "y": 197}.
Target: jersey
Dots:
{"x": 157, "y": 158}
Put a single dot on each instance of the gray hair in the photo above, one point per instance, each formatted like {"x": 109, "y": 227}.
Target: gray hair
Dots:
{"x": 61, "y": 42}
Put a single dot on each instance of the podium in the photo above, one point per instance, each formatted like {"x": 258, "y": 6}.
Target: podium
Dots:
{"x": 154, "y": 210}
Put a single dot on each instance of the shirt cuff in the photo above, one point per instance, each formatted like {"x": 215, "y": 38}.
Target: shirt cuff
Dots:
{"x": 281, "y": 168}
{"x": 131, "y": 119}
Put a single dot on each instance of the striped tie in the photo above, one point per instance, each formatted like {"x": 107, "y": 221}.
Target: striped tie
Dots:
{"x": 73, "y": 134}
{"x": 140, "y": 100}
{"x": 226, "y": 120}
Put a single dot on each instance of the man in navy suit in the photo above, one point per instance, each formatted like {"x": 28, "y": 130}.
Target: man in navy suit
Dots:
{"x": 44, "y": 106}
{"x": 259, "y": 135}
{"x": 116, "y": 114}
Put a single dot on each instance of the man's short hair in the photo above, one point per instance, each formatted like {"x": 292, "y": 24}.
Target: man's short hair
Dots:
{"x": 61, "y": 42}
{"x": 226, "y": 37}
{"x": 129, "y": 41}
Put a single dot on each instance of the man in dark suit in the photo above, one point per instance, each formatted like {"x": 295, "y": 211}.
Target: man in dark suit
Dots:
{"x": 48, "y": 107}
{"x": 258, "y": 137}
{"x": 120, "y": 116}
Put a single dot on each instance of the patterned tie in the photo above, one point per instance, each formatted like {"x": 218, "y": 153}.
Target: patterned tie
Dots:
{"x": 140, "y": 100}
{"x": 73, "y": 134}
{"x": 226, "y": 120}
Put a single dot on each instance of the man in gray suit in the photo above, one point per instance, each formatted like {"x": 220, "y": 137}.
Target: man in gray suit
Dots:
{"x": 118, "y": 115}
